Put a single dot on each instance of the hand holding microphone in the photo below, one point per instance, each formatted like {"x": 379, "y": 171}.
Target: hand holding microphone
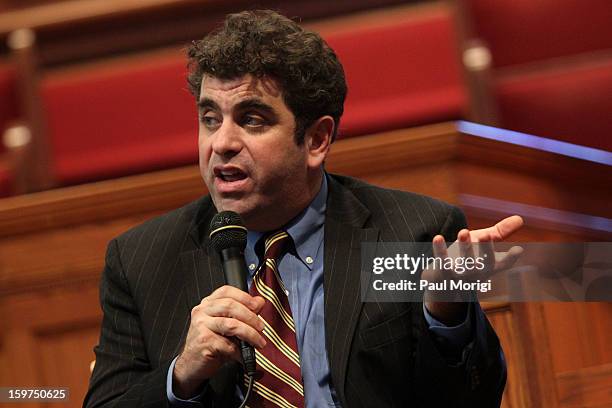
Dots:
{"x": 228, "y": 238}
{"x": 227, "y": 314}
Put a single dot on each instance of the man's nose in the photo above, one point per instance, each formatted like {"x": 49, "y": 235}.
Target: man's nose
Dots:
{"x": 227, "y": 139}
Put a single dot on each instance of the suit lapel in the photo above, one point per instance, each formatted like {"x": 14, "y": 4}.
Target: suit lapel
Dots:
{"x": 200, "y": 270}
{"x": 344, "y": 232}
{"x": 202, "y": 274}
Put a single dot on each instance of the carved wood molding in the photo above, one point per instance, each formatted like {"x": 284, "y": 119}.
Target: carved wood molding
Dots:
{"x": 536, "y": 162}
{"x": 99, "y": 201}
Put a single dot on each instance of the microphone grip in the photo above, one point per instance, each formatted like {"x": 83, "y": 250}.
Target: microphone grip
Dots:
{"x": 235, "y": 273}
{"x": 248, "y": 357}
{"x": 235, "y": 268}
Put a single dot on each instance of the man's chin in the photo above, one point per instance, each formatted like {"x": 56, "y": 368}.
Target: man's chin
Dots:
{"x": 236, "y": 205}
{"x": 255, "y": 217}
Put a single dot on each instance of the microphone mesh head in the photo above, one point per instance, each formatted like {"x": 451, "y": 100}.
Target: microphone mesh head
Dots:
{"x": 227, "y": 231}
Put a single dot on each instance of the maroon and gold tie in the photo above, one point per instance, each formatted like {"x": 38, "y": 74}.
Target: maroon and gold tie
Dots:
{"x": 279, "y": 378}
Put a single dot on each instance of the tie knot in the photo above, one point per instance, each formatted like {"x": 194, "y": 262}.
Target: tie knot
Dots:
{"x": 276, "y": 245}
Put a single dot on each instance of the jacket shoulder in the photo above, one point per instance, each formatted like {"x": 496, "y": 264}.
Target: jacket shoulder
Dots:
{"x": 173, "y": 226}
{"x": 362, "y": 189}
{"x": 403, "y": 214}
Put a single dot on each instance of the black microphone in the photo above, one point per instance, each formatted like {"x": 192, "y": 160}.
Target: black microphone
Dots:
{"x": 228, "y": 237}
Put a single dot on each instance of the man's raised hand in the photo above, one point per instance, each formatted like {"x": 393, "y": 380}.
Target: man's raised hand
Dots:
{"x": 453, "y": 312}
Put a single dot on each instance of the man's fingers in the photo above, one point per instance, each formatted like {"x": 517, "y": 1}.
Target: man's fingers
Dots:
{"x": 230, "y": 308}
{"x": 228, "y": 327}
{"x": 230, "y": 312}
{"x": 222, "y": 346}
{"x": 484, "y": 238}
{"x": 507, "y": 259}
{"x": 506, "y": 227}
{"x": 466, "y": 249}
{"x": 236, "y": 354}
{"x": 498, "y": 232}
{"x": 255, "y": 303}
{"x": 441, "y": 251}
{"x": 486, "y": 249}
{"x": 439, "y": 247}
{"x": 217, "y": 322}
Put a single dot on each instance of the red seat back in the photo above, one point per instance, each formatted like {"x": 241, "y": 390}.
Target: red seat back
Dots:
{"x": 520, "y": 31}
{"x": 573, "y": 105}
{"x": 400, "y": 73}
{"x": 9, "y": 108}
{"x": 9, "y": 111}
{"x": 118, "y": 119}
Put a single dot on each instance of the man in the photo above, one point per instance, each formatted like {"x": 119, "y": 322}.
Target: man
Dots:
{"x": 270, "y": 97}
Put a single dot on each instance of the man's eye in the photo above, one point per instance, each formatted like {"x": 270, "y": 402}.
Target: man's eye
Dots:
{"x": 253, "y": 121}
{"x": 210, "y": 121}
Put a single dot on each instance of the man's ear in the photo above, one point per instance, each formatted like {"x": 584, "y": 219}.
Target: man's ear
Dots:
{"x": 317, "y": 140}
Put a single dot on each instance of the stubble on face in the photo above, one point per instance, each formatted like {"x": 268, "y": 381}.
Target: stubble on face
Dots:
{"x": 277, "y": 185}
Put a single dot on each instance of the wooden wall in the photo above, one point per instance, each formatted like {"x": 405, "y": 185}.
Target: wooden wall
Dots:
{"x": 52, "y": 250}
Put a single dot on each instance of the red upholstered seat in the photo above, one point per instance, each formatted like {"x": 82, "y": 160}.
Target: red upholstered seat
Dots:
{"x": 552, "y": 65}
{"x": 573, "y": 104}
{"x": 520, "y": 31}
{"x": 9, "y": 111}
{"x": 118, "y": 119}
{"x": 400, "y": 73}
{"x": 8, "y": 96}
{"x": 6, "y": 182}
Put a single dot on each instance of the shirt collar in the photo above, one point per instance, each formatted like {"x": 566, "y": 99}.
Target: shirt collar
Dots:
{"x": 305, "y": 229}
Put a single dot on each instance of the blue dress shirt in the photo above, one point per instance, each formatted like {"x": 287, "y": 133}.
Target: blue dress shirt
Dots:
{"x": 302, "y": 274}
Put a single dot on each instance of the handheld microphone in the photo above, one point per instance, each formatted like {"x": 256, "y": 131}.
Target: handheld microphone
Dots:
{"x": 228, "y": 237}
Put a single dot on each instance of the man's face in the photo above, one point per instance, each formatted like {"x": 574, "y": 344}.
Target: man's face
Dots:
{"x": 248, "y": 156}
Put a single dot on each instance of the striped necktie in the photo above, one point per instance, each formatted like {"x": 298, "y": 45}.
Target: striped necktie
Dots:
{"x": 279, "y": 378}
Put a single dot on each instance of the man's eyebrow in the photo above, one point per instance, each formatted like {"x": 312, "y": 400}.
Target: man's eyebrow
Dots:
{"x": 207, "y": 103}
{"x": 254, "y": 103}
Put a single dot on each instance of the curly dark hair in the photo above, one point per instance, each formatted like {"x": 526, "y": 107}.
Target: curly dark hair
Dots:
{"x": 265, "y": 43}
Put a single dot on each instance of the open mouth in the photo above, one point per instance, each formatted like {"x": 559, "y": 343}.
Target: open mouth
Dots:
{"x": 229, "y": 174}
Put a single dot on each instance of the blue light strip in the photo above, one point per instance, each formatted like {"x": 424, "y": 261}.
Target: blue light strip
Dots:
{"x": 536, "y": 142}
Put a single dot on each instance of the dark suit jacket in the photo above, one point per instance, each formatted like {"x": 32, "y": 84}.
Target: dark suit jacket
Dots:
{"x": 380, "y": 354}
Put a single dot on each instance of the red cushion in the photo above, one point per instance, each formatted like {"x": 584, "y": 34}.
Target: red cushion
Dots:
{"x": 403, "y": 111}
{"x": 117, "y": 120}
{"x": 572, "y": 105}
{"x": 121, "y": 120}
{"x": 400, "y": 73}
{"x": 6, "y": 183}
{"x": 519, "y": 31}
{"x": 8, "y": 97}
{"x": 133, "y": 158}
